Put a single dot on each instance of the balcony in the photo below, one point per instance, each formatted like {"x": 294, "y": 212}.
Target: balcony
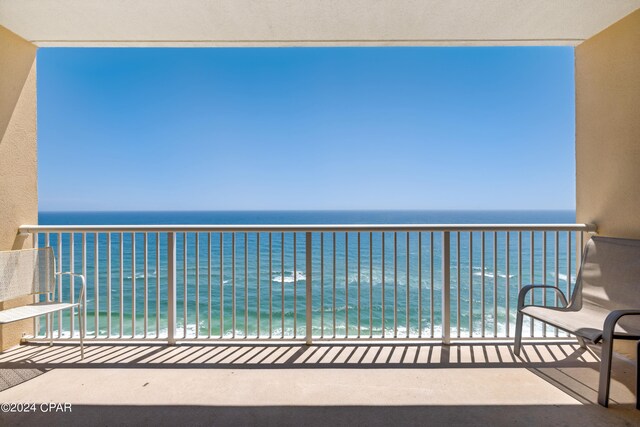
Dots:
{"x": 169, "y": 347}
{"x": 406, "y": 322}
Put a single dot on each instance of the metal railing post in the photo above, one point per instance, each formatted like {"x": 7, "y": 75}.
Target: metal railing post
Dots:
{"x": 171, "y": 283}
{"x": 308, "y": 281}
{"x": 446, "y": 287}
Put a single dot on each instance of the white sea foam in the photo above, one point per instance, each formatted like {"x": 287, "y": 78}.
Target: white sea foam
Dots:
{"x": 491, "y": 275}
{"x": 289, "y": 278}
{"x": 376, "y": 331}
{"x": 141, "y": 275}
{"x": 563, "y": 277}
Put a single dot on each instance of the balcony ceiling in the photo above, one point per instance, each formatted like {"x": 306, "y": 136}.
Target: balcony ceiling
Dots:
{"x": 310, "y": 22}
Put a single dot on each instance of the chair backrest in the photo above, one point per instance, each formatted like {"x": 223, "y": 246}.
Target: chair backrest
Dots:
{"x": 26, "y": 272}
{"x": 609, "y": 276}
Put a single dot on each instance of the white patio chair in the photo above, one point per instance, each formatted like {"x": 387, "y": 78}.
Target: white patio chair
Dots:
{"x": 605, "y": 304}
{"x": 31, "y": 272}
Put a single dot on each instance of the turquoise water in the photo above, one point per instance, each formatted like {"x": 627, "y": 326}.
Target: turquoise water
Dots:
{"x": 385, "y": 296}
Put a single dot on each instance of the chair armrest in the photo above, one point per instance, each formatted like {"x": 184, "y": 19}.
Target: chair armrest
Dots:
{"x": 82, "y": 282}
{"x": 612, "y": 320}
{"x": 525, "y": 290}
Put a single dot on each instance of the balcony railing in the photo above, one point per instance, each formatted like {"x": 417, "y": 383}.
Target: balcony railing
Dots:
{"x": 308, "y": 282}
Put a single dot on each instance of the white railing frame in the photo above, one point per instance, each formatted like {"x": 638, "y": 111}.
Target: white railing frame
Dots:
{"x": 308, "y": 230}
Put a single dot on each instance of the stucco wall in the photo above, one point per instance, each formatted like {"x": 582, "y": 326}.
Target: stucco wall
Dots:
{"x": 608, "y": 134}
{"x": 18, "y": 157}
{"x": 608, "y": 129}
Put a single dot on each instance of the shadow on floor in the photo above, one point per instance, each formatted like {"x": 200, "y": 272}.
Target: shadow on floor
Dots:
{"x": 563, "y": 364}
{"x": 454, "y": 415}
{"x": 298, "y": 356}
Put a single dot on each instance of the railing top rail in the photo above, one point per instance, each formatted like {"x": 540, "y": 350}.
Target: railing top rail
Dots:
{"x": 591, "y": 228}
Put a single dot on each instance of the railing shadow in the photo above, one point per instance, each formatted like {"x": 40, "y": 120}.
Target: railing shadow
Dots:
{"x": 299, "y": 356}
{"x": 563, "y": 364}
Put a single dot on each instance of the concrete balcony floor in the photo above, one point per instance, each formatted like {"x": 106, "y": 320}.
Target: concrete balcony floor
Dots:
{"x": 329, "y": 383}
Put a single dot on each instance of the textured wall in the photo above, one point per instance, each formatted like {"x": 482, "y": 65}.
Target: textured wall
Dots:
{"x": 608, "y": 129}
{"x": 608, "y": 133}
{"x": 18, "y": 155}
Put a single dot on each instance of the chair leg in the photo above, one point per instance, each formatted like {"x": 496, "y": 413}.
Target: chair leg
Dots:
{"x": 605, "y": 370}
{"x": 81, "y": 323}
{"x": 582, "y": 343}
{"x": 518, "y": 338}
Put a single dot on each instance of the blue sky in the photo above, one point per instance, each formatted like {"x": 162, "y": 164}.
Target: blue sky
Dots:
{"x": 306, "y": 128}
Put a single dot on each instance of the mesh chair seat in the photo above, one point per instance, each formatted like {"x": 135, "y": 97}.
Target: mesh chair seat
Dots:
{"x": 587, "y": 322}
{"x": 32, "y": 310}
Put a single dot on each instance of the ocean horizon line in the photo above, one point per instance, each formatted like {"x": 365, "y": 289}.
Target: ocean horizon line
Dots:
{"x": 309, "y": 217}
{"x": 300, "y": 210}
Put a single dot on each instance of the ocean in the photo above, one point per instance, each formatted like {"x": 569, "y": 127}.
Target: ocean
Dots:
{"x": 311, "y": 217}
{"x": 363, "y": 284}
